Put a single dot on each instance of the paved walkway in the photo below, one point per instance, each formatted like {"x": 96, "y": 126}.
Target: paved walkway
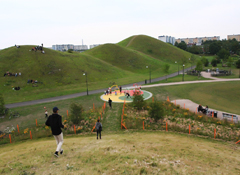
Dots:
{"x": 192, "y": 107}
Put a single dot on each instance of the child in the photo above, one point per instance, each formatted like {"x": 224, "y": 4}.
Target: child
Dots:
{"x": 46, "y": 114}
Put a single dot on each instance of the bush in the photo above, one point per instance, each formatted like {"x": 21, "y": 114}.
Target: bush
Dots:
{"x": 2, "y": 105}
{"x": 214, "y": 63}
{"x": 138, "y": 101}
{"x": 156, "y": 111}
{"x": 238, "y": 64}
{"x": 76, "y": 113}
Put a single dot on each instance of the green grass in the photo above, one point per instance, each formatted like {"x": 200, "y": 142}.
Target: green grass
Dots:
{"x": 129, "y": 153}
{"x": 61, "y": 73}
{"x": 178, "y": 78}
{"x": 222, "y": 96}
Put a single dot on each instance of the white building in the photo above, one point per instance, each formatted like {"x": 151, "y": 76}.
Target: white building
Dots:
{"x": 167, "y": 39}
{"x": 66, "y": 47}
{"x": 80, "y": 47}
{"x": 94, "y": 45}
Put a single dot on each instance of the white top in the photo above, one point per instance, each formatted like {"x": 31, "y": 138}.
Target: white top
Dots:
{"x": 46, "y": 112}
{"x": 20, "y": 73}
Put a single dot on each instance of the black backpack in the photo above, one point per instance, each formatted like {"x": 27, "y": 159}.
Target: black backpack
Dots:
{"x": 100, "y": 128}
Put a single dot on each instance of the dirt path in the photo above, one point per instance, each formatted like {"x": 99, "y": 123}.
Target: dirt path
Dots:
{"x": 208, "y": 75}
{"x": 131, "y": 40}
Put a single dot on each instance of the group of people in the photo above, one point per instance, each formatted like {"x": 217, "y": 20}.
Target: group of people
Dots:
{"x": 17, "y": 46}
{"x": 12, "y": 74}
{"x": 201, "y": 109}
{"x": 55, "y": 122}
{"x": 32, "y": 81}
{"x": 38, "y": 48}
{"x": 109, "y": 91}
{"x": 17, "y": 88}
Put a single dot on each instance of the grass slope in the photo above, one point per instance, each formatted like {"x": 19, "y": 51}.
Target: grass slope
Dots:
{"x": 156, "y": 48}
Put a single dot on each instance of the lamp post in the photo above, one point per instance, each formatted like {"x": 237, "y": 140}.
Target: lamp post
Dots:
{"x": 178, "y": 67}
{"x": 149, "y": 74}
{"x": 183, "y": 73}
{"x": 86, "y": 81}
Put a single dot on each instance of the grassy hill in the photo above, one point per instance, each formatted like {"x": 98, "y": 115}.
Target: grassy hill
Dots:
{"x": 61, "y": 73}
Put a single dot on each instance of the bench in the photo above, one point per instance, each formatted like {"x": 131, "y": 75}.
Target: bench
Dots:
{"x": 230, "y": 117}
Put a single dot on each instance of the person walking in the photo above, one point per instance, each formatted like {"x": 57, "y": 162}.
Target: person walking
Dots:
{"x": 55, "y": 122}
{"x": 98, "y": 127}
{"x": 120, "y": 88}
{"x": 110, "y": 103}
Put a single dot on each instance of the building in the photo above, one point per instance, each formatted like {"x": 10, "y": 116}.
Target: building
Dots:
{"x": 94, "y": 45}
{"x": 167, "y": 39}
{"x": 198, "y": 40}
{"x": 237, "y": 37}
{"x": 66, "y": 47}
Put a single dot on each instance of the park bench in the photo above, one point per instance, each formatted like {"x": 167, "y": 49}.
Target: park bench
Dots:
{"x": 230, "y": 117}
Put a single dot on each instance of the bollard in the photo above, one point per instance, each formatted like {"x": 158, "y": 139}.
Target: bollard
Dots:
{"x": 10, "y": 138}
{"x": 18, "y": 129}
{"x": 166, "y": 127}
{"x": 189, "y": 129}
{"x": 214, "y": 133}
{"x": 30, "y": 135}
{"x": 143, "y": 125}
{"x": 75, "y": 129}
{"x": 36, "y": 122}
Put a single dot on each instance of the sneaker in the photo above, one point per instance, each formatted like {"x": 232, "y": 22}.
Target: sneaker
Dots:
{"x": 56, "y": 154}
{"x": 61, "y": 152}
{"x": 97, "y": 137}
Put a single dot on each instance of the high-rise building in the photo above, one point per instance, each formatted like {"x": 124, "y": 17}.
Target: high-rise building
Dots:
{"x": 167, "y": 39}
{"x": 66, "y": 47}
{"x": 237, "y": 37}
{"x": 198, "y": 40}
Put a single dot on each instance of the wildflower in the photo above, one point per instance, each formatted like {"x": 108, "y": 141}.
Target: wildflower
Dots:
{"x": 90, "y": 117}
{"x": 46, "y": 127}
{"x": 174, "y": 110}
{"x": 198, "y": 128}
{"x": 185, "y": 113}
{"x": 187, "y": 109}
{"x": 200, "y": 116}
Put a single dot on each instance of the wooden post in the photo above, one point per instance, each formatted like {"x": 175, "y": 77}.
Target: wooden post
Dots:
{"x": 212, "y": 114}
{"x": 30, "y": 135}
{"x": 184, "y": 106}
{"x": 75, "y": 129}
{"x": 36, "y": 122}
{"x": 143, "y": 125}
{"x": 189, "y": 129}
{"x": 123, "y": 111}
{"x": 166, "y": 127}
{"x": 175, "y": 103}
{"x": 67, "y": 112}
{"x": 238, "y": 141}
{"x": 152, "y": 99}
{"x": 18, "y": 129}
{"x": 10, "y": 138}
{"x": 214, "y": 133}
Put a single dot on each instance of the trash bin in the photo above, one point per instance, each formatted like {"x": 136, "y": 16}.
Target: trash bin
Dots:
{"x": 215, "y": 114}
{"x": 145, "y": 81}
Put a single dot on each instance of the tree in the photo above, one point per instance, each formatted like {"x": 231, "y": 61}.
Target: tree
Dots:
{"x": 182, "y": 45}
{"x": 156, "y": 111}
{"x": 138, "y": 101}
{"x": 166, "y": 69}
{"x": 238, "y": 64}
{"x": 214, "y": 48}
{"x": 176, "y": 44}
{"x": 214, "y": 62}
{"x": 223, "y": 54}
{"x": 205, "y": 61}
{"x": 2, "y": 105}
{"x": 193, "y": 59}
{"x": 76, "y": 113}
{"x": 199, "y": 67}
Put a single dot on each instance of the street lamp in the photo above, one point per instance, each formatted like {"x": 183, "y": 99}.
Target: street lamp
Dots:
{"x": 183, "y": 73}
{"x": 149, "y": 74}
{"x": 178, "y": 67}
{"x": 86, "y": 81}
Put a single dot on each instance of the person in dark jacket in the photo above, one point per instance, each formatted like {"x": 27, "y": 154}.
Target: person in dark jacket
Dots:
{"x": 98, "y": 127}
{"x": 110, "y": 103}
{"x": 55, "y": 122}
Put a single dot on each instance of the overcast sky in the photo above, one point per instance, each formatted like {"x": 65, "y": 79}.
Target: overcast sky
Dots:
{"x": 51, "y": 22}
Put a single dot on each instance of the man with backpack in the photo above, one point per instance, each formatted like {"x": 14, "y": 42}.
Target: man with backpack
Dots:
{"x": 55, "y": 122}
{"x": 98, "y": 127}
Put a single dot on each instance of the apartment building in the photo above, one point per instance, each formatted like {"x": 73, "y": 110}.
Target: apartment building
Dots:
{"x": 66, "y": 47}
{"x": 198, "y": 40}
{"x": 237, "y": 37}
{"x": 167, "y": 39}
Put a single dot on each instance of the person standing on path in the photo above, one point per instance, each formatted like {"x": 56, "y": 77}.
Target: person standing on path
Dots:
{"x": 110, "y": 103}
{"x": 55, "y": 122}
{"x": 98, "y": 127}
{"x": 120, "y": 88}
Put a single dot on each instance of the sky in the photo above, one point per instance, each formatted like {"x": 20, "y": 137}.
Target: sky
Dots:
{"x": 28, "y": 22}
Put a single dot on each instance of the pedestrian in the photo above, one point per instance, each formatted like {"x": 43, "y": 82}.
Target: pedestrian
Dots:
{"x": 98, "y": 127}
{"x": 55, "y": 122}
{"x": 120, "y": 88}
{"x": 110, "y": 103}
{"x": 46, "y": 114}
{"x": 115, "y": 92}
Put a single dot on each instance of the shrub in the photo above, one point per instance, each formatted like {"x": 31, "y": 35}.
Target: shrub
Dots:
{"x": 156, "y": 111}
{"x": 2, "y": 105}
{"x": 214, "y": 63}
{"x": 138, "y": 101}
{"x": 76, "y": 114}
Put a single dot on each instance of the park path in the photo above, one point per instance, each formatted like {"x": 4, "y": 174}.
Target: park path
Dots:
{"x": 192, "y": 107}
{"x": 131, "y": 40}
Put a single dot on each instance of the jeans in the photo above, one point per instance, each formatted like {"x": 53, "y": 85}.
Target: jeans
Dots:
{"x": 99, "y": 132}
